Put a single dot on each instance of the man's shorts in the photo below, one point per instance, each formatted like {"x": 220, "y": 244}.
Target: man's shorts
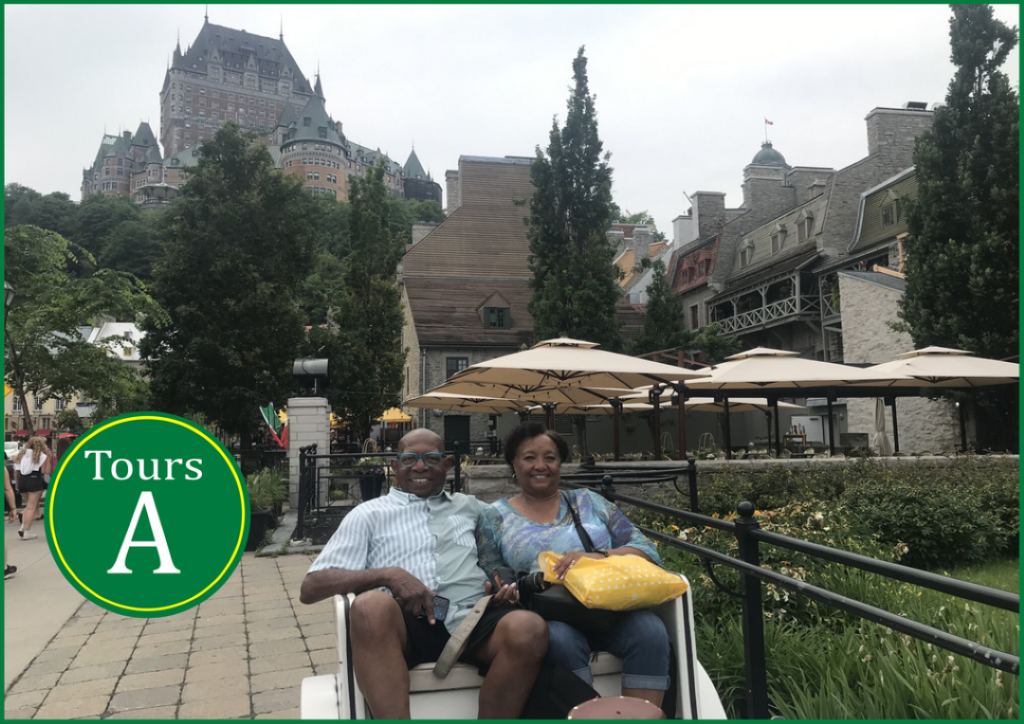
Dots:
{"x": 426, "y": 642}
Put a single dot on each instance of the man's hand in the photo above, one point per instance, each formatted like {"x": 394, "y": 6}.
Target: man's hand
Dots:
{"x": 411, "y": 594}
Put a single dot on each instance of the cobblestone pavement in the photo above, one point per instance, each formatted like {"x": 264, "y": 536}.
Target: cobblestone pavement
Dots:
{"x": 240, "y": 654}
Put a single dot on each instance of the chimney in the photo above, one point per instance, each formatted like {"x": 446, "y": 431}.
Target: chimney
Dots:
{"x": 708, "y": 212}
{"x": 893, "y": 131}
{"x": 127, "y": 135}
{"x": 452, "y": 191}
{"x": 641, "y": 244}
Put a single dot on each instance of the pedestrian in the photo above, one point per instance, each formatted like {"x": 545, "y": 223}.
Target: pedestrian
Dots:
{"x": 12, "y": 515}
{"x": 34, "y": 461}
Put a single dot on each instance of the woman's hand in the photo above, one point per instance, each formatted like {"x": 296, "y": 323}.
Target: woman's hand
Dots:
{"x": 569, "y": 560}
{"x": 506, "y": 596}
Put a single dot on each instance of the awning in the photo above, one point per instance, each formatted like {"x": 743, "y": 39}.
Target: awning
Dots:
{"x": 394, "y": 415}
{"x": 45, "y": 432}
{"x": 23, "y": 433}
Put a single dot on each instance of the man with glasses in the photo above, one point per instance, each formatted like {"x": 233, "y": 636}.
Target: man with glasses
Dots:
{"x": 400, "y": 551}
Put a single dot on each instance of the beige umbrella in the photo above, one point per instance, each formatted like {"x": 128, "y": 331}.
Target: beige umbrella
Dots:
{"x": 942, "y": 367}
{"x": 763, "y": 368}
{"x": 945, "y": 367}
{"x": 558, "y": 370}
{"x": 465, "y": 403}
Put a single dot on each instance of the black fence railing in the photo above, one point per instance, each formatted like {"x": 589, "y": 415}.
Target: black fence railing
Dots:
{"x": 252, "y": 461}
{"x": 749, "y": 538}
{"x": 319, "y": 474}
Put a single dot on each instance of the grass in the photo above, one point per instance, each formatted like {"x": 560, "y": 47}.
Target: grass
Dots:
{"x": 851, "y": 668}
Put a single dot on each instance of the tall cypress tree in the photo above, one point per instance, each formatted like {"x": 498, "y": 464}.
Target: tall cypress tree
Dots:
{"x": 962, "y": 265}
{"x": 574, "y": 277}
{"x": 963, "y": 255}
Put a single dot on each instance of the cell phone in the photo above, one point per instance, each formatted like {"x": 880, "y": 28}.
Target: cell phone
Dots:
{"x": 507, "y": 575}
{"x": 441, "y": 607}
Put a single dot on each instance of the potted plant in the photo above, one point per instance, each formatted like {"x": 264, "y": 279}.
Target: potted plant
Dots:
{"x": 266, "y": 491}
{"x": 372, "y": 473}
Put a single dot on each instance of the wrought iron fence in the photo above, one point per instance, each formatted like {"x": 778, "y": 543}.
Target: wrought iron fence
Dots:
{"x": 749, "y": 538}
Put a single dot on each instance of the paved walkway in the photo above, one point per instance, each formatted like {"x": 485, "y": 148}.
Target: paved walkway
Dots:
{"x": 241, "y": 654}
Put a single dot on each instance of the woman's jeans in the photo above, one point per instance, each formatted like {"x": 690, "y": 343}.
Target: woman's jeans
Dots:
{"x": 636, "y": 637}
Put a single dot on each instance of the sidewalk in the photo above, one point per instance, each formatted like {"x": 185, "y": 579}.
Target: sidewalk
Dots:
{"x": 241, "y": 654}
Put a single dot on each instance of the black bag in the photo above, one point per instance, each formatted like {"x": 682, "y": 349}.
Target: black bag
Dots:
{"x": 556, "y": 691}
{"x": 556, "y": 603}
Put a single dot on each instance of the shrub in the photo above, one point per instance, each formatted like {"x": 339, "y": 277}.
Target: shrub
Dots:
{"x": 266, "y": 489}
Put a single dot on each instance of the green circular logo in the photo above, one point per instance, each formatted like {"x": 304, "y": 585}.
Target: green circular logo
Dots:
{"x": 147, "y": 515}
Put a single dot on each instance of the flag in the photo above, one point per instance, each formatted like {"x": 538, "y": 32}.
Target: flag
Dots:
{"x": 768, "y": 123}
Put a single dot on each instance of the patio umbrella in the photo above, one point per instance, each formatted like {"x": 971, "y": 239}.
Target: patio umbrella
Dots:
{"x": 564, "y": 371}
{"x": 394, "y": 415}
{"x": 946, "y": 368}
{"x": 881, "y": 441}
{"x": 763, "y": 368}
{"x": 435, "y": 400}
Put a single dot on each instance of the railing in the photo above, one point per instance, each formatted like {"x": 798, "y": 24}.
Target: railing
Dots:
{"x": 749, "y": 537}
{"x": 761, "y": 315}
{"x": 312, "y": 474}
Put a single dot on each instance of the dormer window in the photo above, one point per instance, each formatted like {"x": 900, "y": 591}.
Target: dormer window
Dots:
{"x": 778, "y": 238}
{"x": 892, "y": 211}
{"x": 746, "y": 254}
{"x": 805, "y": 227}
{"x": 497, "y": 318}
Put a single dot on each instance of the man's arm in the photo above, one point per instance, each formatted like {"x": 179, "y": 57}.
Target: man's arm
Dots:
{"x": 408, "y": 591}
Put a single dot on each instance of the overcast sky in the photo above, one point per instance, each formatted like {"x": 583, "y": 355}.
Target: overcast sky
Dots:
{"x": 682, "y": 91}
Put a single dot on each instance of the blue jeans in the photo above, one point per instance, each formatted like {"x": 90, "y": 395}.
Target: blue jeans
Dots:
{"x": 636, "y": 637}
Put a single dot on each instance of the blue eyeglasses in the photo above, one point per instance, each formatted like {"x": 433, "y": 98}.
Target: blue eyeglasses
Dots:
{"x": 430, "y": 459}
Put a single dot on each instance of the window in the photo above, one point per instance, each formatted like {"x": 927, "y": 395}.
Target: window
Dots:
{"x": 778, "y": 238}
{"x": 746, "y": 252}
{"x": 59, "y": 403}
{"x": 16, "y": 404}
{"x": 127, "y": 351}
{"x": 497, "y": 318}
{"x": 455, "y": 364}
{"x": 37, "y": 404}
{"x": 891, "y": 213}
{"x": 695, "y": 317}
{"x": 804, "y": 228}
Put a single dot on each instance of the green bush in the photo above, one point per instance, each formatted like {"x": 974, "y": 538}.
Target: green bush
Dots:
{"x": 266, "y": 489}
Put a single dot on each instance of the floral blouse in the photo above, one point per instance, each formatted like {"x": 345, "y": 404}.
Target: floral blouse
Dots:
{"x": 505, "y": 537}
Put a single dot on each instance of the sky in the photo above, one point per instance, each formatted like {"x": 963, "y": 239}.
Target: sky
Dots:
{"x": 682, "y": 91}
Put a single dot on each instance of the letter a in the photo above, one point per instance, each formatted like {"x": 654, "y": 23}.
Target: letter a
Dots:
{"x": 160, "y": 542}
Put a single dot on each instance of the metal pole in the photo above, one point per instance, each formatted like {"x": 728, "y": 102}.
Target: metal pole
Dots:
{"x": 755, "y": 666}
{"x": 549, "y": 413}
{"x": 963, "y": 426}
{"x": 300, "y": 525}
{"x": 691, "y": 474}
{"x": 728, "y": 429}
{"x": 831, "y": 435}
{"x": 895, "y": 427}
{"x": 680, "y": 389}
{"x": 617, "y": 408}
{"x": 778, "y": 436}
{"x": 655, "y": 399}
{"x": 457, "y": 483}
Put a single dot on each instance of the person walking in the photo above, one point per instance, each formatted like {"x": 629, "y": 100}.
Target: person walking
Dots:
{"x": 12, "y": 515}
{"x": 33, "y": 462}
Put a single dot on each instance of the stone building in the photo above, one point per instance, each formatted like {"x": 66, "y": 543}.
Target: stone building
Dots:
{"x": 229, "y": 75}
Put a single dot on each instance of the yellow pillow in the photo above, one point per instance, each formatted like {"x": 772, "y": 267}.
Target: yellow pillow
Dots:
{"x": 616, "y": 583}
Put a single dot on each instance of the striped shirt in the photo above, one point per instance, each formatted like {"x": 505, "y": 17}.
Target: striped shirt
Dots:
{"x": 433, "y": 539}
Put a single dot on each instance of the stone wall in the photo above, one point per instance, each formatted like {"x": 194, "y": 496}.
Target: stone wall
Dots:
{"x": 867, "y": 309}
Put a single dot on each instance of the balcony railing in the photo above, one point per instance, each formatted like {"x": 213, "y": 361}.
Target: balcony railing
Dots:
{"x": 760, "y": 316}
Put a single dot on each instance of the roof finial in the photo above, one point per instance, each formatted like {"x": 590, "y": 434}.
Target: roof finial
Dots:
{"x": 282, "y": 27}
{"x": 206, "y": 15}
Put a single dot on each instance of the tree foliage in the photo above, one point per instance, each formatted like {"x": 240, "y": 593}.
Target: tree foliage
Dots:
{"x": 44, "y": 352}
{"x": 664, "y": 324}
{"x": 962, "y": 266}
{"x": 574, "y": 277}
{"x": 363, "y": 335}
{"x": 238, "y": 247}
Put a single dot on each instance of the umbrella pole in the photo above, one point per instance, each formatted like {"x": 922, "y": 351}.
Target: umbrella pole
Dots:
{"x": 549, "y": 416}
{"x": 768, "y": 423}
{"x": 778, "y": 437}
{"x": 728, "y": 429}
{"x": 895, "y": 427}
{"x": 831, "y": 435}
{"x": 681, "y": 412}
{"x": 655, "y": 398}
{"x": 617, "y": 407}
{"x": 963, "y": 426}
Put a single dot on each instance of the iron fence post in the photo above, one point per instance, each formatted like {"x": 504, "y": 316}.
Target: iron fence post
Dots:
{"x": 691, "y": 475}
{"x": 300, "y": 525}
{"x": 607, "y": 486}
{"x": 755, "y": 666}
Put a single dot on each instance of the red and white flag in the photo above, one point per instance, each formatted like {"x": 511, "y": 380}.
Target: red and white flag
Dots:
{"x": 768, "y": 123}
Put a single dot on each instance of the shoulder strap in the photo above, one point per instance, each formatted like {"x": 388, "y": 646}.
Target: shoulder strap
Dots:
{"x": 457, "y": 643}
{"x": 588, "y": 544}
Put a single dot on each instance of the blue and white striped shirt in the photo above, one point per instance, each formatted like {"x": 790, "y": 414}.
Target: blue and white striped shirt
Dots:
{"x": 431, "y": 538}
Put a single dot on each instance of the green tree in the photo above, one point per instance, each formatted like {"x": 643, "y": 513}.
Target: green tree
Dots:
{"x": 53, "y": 212}
{"x": 664, "y": 324}
{"x": 44, "y": 352}
{"x": 98, "y": 217}
{"x": 238, "y": 248}
{"x": 363, "y": 339}
{"x": 963, "y": 253}
{"x": 134, "y": 246}
{"x": 964, "y": 249}
{"x": 715, "y": 345}
{"x": 574, "y": 277}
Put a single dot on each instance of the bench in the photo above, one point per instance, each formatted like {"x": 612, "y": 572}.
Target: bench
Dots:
{"x": 337, "y": 696}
